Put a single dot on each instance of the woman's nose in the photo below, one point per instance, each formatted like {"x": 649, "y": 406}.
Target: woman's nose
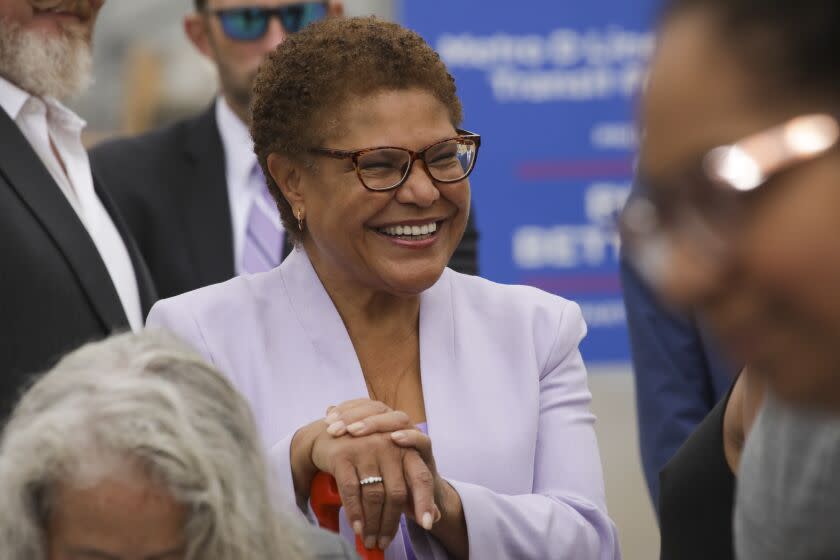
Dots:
{"x": 419, "y": 188}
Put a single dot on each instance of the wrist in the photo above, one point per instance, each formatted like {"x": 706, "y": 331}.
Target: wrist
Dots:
{"x": 451, "y": 530}
{"x": 303, "y": 468}
{"x": 450, "y": 505}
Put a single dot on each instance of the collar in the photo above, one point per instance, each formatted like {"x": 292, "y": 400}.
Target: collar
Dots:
{"x": 236, "y": 140}
{"x": 14, "y": 100}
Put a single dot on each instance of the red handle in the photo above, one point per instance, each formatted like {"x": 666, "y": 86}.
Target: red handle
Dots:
{"x": 326, "y": 503}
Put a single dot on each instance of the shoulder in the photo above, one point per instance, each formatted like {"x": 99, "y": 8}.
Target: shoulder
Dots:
{"x": 153, "y": 141}
{"x": 511, "y": 302}
{"x": 206, "y": 317}
{"x": 156, "y": 145}
{"x": 543, "y": 325}
{"x": 208, "y": 302}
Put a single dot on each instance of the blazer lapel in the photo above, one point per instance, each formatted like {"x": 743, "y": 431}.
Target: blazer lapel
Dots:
{"x": 322, "y": 325}
{"x": 145, "y": 284}
{"x": 445, "y": 392}
{"x": 27, "y": 175}
{"x": 204, "y": 201}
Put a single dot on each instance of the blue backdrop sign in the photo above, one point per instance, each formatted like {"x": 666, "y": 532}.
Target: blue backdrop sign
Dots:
{"x": 550, "y": 86}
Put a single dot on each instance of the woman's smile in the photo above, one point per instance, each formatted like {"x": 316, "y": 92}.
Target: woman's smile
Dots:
{"x": 413, "y": 234}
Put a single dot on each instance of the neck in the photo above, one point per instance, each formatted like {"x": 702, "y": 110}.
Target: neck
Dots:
{"x": 238, "y": 109}
{"x": 369, "y": 314}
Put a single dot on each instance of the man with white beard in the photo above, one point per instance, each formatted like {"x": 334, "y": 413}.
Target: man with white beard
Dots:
{"x": 70, "y": 271}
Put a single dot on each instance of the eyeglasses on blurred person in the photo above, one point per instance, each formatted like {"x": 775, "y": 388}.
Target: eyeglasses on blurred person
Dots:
{"x": 708, "y": 201}
{"x": 134, "y": 448}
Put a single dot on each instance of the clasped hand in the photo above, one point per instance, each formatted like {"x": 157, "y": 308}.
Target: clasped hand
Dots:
{"x": 360, "y": 439}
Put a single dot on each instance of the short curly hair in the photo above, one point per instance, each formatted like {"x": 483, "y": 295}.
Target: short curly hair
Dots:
{"x": 306, "y": 80}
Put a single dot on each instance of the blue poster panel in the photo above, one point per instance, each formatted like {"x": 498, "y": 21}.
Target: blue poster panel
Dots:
{"x": 551, "y": 87}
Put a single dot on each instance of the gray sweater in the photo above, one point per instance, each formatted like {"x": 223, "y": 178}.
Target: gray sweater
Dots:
{"x": 788, "y": 496}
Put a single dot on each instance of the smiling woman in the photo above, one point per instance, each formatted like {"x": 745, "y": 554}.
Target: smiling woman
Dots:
{"x": 356, "y": 124}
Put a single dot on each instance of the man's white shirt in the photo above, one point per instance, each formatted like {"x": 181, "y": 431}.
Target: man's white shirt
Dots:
{"x": 52, "y": 128}
{"x": 243, "y": 186}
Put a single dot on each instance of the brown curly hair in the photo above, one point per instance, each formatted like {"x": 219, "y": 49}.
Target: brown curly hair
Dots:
{"x": 302, "y": 85}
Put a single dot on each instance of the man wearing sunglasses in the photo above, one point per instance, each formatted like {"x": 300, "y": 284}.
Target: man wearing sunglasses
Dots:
{"x": 191, "y": 192}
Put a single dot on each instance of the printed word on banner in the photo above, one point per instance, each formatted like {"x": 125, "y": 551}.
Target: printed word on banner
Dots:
{"x": 551, "y": 87}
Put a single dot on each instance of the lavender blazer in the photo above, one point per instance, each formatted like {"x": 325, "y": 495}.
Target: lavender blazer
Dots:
{"x": 507, "y": 403}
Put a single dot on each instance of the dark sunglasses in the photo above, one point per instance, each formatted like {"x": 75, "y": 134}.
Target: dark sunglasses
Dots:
{"x": 251, "y": 23}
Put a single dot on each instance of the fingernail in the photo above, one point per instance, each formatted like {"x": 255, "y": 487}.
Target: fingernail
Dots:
{"x": 357, "y": 527}
{"x": 427, "y": 521}
{"x": 399, "y": 436}
{"x": 356, "y": 427}
{"x": 384, "y": 542}
{"x": 438, "y": 514}
{"x": 370, "y": 543}
{"x": 331, "y": 418}
{"x": 335, "y": 428}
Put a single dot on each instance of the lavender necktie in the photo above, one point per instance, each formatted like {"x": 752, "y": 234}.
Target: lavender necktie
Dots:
{"x": 263, "y": 236}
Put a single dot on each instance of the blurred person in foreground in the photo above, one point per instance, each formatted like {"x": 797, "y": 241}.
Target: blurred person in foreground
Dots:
{"x": 70, "y": 270}
{"x": 134, "y": 448}
{"x": 356, "y": 123}
{"x": 192, "y": 192}
{"x": 742, "y": 224}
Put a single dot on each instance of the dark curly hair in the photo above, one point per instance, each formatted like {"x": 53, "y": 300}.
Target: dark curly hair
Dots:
{"x": 792, "y": 45}
{"x": 302, "y": 85}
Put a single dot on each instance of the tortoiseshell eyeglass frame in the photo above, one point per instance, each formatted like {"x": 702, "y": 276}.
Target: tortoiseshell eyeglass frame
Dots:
{"x": 413, "y": 156}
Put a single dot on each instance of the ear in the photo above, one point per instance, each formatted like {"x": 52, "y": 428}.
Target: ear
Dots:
{"x": 197, "y": 29}
{"x": 336, "y": 8}
{"x": 287, "y": 174}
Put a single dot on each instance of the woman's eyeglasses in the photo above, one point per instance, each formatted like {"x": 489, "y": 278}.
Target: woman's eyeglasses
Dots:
{"x": 706, "y": 204}
{"x": 385, "y": 168}
{"x": 251, "y": 23}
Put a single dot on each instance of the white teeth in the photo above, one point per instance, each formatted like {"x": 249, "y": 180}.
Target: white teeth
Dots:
{"x": 425, "y": 229}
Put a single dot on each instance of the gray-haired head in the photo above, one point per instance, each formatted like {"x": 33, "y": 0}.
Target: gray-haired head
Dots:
{"x": 146, "y": 399}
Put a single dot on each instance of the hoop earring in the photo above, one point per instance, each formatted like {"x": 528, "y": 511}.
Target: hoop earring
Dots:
{"x": 300, "y": 219}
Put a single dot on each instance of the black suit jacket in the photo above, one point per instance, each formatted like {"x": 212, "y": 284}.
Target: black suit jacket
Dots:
{"x": 55, "y": 292}
{"x": 170, "y": 185}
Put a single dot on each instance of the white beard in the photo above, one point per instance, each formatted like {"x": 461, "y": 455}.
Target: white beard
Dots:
{"x": 42, "y": 65}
